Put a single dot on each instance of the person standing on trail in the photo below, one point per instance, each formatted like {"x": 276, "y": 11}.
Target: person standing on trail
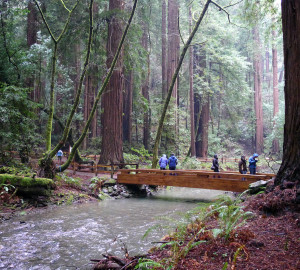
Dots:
{"x": 243, "y": 165}
{"x": 252, "y": 163}
{"x": 163, "y": 162}
{"x": 172, "y": 162}
{"x": 59, "y": 155}
{"x": 215, "y": 164}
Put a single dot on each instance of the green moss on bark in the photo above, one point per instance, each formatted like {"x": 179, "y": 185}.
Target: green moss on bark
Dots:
{"x": 28, "y": 186}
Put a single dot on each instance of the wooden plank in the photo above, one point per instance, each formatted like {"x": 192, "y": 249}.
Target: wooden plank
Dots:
{"x": 186, "y": 181}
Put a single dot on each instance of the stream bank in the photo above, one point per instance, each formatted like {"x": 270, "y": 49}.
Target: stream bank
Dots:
{"x": 68, "y": 188}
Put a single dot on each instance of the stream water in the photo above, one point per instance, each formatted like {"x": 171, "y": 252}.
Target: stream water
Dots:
{"x": 68, "y": 237}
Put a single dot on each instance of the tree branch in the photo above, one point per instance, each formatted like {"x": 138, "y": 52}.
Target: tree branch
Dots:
{"x": 220, "y": 8}
{"x": 63, "y": 3}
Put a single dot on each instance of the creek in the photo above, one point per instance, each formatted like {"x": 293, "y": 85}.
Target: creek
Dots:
{"x": 67, "y": 237}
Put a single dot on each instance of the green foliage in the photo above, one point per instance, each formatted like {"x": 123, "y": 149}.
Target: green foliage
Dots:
{"x": 70, "y": 181}
{"x": 191, "y": 163}
{"x": 144, "y": 264}
{"x": 143, "y": 154}
{"x": 18, "y": 169}
{"x": 17, "y": 127}
{"x": 230, "y": 215}
{"x": 6, "y": 188}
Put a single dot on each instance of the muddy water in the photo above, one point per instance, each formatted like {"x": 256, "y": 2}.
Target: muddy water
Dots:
{"x": 68, "y": 237}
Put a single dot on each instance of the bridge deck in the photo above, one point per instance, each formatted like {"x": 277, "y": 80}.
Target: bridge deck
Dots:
{"x": 229, "y": 181}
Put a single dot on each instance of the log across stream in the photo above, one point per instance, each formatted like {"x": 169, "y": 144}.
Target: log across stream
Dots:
{"x": 69, "y": 237}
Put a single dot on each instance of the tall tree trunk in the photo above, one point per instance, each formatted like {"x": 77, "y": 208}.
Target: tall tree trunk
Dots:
{"x": 112, "y": 99}
{"x": 259, "y": 140}
{"x": 32, "y": 39}
{"x": 275, "y": 144}
{"x": 204, "y": 107}
{"x": 192, "y": 113}
{"x": 164, "y": 49}
{"x": 145, "y": 92}
{"x": 127, "y": 107}
{"x": 268, "y": 68}
{"x": 172, "y": 62}
{"x": 31, "y": 24}
{"x": 86, "y": 106}
{"x": 290, "y": 166}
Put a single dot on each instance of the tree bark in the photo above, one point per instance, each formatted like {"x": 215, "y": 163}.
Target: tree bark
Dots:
{"x": 112, "y": 99}
{"x": 145, "y": 92}
{"x": 172, "y": 62}
{"x": 290, "y": 166}
{"x": 259, "y": 140}
{"x": 32, "y": 39}
{"x": 203, "y": 107}
{"x": 127, "y": 107}
{"x": 31, "y": 24}
{"x": 192, "y": 113}
{"x": 275, "y": 144}
{"x": 164, "y": 49}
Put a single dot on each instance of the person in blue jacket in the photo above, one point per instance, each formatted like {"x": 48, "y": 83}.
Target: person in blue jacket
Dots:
{"x": 59, "y": 155}
{"x": 172, "y": 162}
{"x": 163, "y": 162}
{"x": 252, "y": 163}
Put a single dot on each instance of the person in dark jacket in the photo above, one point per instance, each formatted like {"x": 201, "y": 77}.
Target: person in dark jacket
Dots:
{"x": 243, "y": 165}
{"x": 215, "y": 164}
{"x": 172, "y": 162}
{"x": 163, "y": 162}
{"x": 252, "y": 163}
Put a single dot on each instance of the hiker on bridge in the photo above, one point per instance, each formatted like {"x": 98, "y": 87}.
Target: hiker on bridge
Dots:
{"x": 243, "y": 165}
{"x": 163, "y": 162}
{"x": 252, "y": 163}
{"x": 215, "y": 164}
{"x": 173, "y": 161}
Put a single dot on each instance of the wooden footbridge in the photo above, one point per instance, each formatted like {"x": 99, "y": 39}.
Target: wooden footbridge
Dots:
{"x": 228, "y": 181}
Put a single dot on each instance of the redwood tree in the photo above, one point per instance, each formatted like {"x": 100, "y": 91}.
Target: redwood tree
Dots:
{"x": 145, "y": 92}
{"x": 202, "y": 106}
{"x": 127, "y": 107}
{"x": 275, "y": 90}
{"x": 258, "y": 92}
{"x": 290, "y": 166}
{"x": 191, "y": 73}
{"x": 164, "y": 49}
{"x": 112, "y": 98}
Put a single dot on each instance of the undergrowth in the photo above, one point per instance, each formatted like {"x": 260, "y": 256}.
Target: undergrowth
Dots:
{"x": 192, "y": 231}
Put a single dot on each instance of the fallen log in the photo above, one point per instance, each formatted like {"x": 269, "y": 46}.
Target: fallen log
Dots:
{"x": 28, "y": 186}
